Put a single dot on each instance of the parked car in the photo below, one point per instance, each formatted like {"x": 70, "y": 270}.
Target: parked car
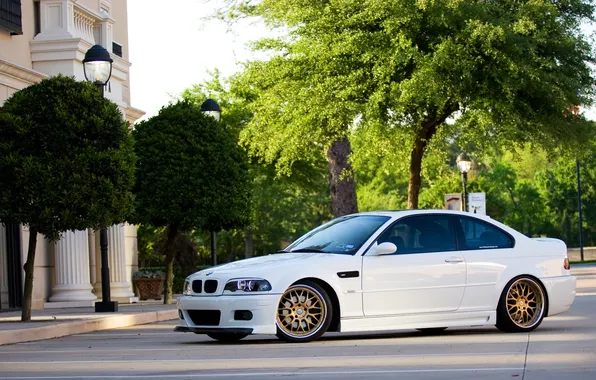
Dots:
{"x": 377, "y": 271}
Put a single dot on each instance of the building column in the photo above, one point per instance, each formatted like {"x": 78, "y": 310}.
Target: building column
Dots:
{"x": 3, "y": 269}
{"x": 72, "y": 282}
{"x": 120, "y": 286}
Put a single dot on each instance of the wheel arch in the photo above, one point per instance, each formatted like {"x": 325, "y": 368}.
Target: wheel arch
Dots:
{"x": 537, "y": 280}
{"x": 335, "y": 317}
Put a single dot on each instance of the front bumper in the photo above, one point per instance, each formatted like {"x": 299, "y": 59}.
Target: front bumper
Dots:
{"x": 561, "y": 293}
{"x": 262, "y": 306}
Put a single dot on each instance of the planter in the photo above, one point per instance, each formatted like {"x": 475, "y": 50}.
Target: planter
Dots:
{"x": 149, "y": 288}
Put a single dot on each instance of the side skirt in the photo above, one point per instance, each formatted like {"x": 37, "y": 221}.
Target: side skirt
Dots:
{"x": 417, "y": 321}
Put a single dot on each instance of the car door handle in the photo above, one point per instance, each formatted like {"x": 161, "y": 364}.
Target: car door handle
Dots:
{"x": 454, "y": 260}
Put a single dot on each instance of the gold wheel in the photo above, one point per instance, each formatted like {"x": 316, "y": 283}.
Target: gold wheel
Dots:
{"x": 301, "y": 312}
{"x": 525, "y": 303}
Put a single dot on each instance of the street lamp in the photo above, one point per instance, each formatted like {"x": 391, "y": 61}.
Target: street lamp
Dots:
{"x": 464, "y": 163}
{"x": 97, "y": 67}
{"x": 211, "y": 108}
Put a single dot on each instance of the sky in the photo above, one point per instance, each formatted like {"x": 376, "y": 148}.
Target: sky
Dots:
{"x": 172, "y": 47}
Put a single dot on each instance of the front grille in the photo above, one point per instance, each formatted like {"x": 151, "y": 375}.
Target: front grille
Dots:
{"x": 204, "y": 317}
{"x": 197, "y": 286}
{"x": 210, "y": 286}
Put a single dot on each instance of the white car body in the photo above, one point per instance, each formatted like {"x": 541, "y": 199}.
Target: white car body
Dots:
{"x": 386, "y": 292}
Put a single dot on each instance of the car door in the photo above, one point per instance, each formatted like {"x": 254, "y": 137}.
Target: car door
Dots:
{"x": 488, "y": 250}
{"x": 426, "y": 274}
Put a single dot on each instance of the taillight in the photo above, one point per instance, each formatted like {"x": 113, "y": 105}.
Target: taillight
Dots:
{"x": 566, "y": 264}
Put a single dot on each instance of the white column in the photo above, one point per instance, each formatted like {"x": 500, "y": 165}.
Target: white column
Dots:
{"x": 120, "y": 286}
{"x": 72, "y": 283}
{"x": 3, "y": 268}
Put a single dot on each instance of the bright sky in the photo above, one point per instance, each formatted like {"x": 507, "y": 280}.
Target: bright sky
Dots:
{"x": 172, "y": 48}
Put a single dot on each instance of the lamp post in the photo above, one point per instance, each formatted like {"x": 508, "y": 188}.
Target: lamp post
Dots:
{"x": 464, "y": 164}
{"x": 579, "y": 209}
{"x": 97, "y": 67}
{"x": 211, "y": 108}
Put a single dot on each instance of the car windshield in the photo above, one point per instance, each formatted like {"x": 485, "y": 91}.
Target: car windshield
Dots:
{"x": 343, "y": 235}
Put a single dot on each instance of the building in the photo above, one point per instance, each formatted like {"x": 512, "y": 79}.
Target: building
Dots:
{"x": 40, "y": 38}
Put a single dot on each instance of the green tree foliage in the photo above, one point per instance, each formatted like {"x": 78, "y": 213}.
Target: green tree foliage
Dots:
{"x": 283, "y": 206}
{"x": 507, "y": 70}
{"x": 66, "y": 163}
{"x": 191, "y": 174}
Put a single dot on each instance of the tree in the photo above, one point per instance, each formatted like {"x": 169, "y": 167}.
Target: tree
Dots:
{"x": 66, "y": 163}
{"x": 283, "y": 207}
{"x": 507, "y": 70}
{"x": 191, "y": 174}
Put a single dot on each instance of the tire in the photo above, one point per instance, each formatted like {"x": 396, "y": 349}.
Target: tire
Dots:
{"x": 522, "y": 305}
{"x": 304, "y": 312}
{"x": 432, "y": 330}
{"x": 227, "y": 337}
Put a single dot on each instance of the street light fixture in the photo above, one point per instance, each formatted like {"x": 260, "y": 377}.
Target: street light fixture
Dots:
{"x": 464, "y": 163}
{"x": 211, "y": 108}
{"x": 97, "y": 67}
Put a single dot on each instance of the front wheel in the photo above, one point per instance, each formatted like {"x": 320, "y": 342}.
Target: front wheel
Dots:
{"x": 522, "y": 305}
{"x": 304, "y": 312}
{"x": 227, "y": 337}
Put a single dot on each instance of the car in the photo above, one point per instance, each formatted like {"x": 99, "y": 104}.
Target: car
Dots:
{"x": 380, "y": 271}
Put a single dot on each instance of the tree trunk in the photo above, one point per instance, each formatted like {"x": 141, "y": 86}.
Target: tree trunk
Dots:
{"x": 341, "y": 178}
{"x": 170, "y": 251}
{"x": 427, "y": 131}
{"x": 248, "y": 243}
{"x": 415, "y": 168}
{"x": 29, "y": 265}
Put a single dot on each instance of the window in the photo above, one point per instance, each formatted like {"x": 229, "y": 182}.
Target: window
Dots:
{"x": 481, "y": 235}
{"x": 117, "y": 49}
{"x": 10, "y": 16}
{"x": 421, "y": 234}
{"x": 343, "y": 235}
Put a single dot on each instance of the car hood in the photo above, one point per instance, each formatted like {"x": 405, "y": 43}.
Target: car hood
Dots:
{"x": 261, "y": 264}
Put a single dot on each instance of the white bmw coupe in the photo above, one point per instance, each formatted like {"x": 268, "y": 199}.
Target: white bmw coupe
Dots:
{"x": 376, "y": 271}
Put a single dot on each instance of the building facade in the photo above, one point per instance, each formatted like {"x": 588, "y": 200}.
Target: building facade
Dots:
{"x": 41, "y": 38}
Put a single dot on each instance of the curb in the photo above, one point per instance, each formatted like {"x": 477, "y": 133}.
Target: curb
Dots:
{"x": 80, "y": 327}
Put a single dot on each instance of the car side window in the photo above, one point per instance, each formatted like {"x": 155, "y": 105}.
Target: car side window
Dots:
{"x": 421, "y": 234}
{"x": 481, "y": 235}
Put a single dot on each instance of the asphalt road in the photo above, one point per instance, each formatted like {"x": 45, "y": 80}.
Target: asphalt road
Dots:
{"x": 563, "y": 347}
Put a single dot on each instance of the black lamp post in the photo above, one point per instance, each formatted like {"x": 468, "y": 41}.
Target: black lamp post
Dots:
{"x": 464, "y": 164}
{"x": 211, "y": 108}
{"x": 97, "y": 67}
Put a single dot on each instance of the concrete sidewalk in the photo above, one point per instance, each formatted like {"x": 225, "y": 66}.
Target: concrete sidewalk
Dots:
{"x": 55, "y": 323}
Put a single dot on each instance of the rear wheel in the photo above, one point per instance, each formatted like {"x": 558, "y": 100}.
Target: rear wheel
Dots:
{"x": 522, "y": 305}
{"x": 227, "y": 337}
{"x": 304, "y": 312}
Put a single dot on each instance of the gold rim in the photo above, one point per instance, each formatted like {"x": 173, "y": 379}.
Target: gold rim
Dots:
{"x": 301, "y": 311}
{"x": 525, "y": 303}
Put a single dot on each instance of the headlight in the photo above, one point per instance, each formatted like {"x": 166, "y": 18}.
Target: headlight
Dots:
{"x": 187, "y": 290}
{"x": 248, "y": 285}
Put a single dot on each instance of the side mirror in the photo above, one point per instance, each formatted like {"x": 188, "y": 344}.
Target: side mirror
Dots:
{"x": 386, "y": 248}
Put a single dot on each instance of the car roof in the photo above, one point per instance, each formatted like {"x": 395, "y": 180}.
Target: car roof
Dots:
{"x": 400, "y": 213}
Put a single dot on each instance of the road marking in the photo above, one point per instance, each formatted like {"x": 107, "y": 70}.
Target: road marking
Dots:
{"x": 585, "y": 294}
{"x": 272, "y": 373}
{"x": 373, "y": 356}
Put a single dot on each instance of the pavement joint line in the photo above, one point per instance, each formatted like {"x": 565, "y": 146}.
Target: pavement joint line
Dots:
{"x": 260, "y": 358}
{"x": 80, "y": 327}
{"x": 526, "y": 357}
{"x": 284, "y": 373}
